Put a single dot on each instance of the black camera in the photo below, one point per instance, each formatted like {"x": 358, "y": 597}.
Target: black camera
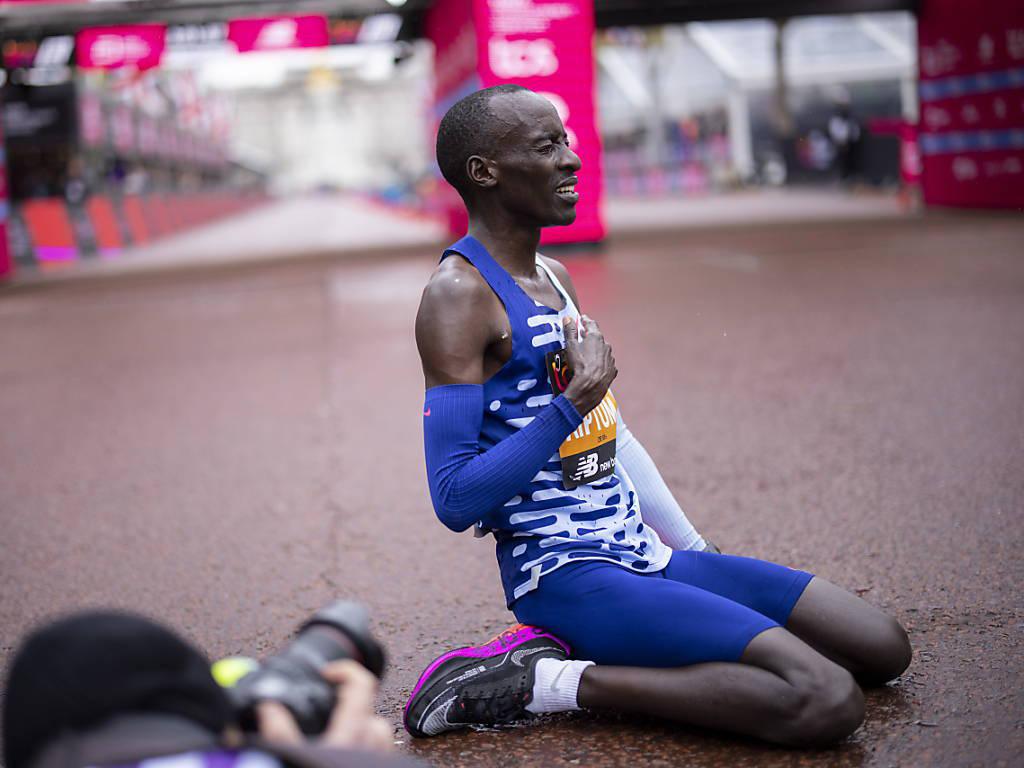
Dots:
{"x": 292, "y": 677}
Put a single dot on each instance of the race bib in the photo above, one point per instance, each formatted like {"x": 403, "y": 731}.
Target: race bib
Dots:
{"x": 588, "y": 454}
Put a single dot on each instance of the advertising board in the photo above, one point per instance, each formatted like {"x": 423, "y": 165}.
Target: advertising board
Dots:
{"x": 972, "y": 103}
{"x": 278, "y": 33}
{"x": 138, "y": 45}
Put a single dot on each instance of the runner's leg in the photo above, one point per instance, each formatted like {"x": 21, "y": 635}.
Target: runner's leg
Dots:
{"x": 848, "y": 630}
{"x": 872, "y": 645}
{"x": 719, "y": 663}
{"x": 782, "y": 691}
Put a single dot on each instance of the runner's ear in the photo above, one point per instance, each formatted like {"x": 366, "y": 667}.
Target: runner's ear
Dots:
{"x": 481, "y": 171}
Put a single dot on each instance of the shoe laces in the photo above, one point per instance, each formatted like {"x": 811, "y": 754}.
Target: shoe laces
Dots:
{"x": 504, "y": 639}
{"x": 500, "y": 705}
{"x": 506, "y": 636}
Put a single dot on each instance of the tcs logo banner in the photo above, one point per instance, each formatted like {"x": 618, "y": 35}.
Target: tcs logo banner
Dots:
{"x": 513, "y": 59}
{"x": 138, "y": 45}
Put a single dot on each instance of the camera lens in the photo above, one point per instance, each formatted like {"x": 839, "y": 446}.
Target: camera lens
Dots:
{"x": 292, "y": 677}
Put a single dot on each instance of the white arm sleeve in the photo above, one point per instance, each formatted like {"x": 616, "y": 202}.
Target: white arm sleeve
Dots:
{"x": 658, "y": 507}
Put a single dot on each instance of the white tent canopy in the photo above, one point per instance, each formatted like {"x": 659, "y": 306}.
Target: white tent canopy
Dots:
{"x": 696, "y": 66}
{"x": 818, "y": 49}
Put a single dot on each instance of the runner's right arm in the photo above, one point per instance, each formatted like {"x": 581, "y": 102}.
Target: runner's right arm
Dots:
{"x": 458, "y": 320}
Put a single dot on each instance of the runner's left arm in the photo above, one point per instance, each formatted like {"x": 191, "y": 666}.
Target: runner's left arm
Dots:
{"x": 658, "y": 506}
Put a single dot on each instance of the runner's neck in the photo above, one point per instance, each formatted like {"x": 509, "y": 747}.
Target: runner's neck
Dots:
{"x": 513, "y": 247}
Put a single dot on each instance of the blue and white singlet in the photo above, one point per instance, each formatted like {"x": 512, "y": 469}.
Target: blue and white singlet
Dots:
{"x": 544, "y": 526}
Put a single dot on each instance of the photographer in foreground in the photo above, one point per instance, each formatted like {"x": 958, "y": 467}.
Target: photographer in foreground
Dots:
{"x": 105, "y": 688}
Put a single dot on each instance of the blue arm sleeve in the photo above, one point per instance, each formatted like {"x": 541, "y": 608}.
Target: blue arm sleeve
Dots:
{"x": 467, "y": 483}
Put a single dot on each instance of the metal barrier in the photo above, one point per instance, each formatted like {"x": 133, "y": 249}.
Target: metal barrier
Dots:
{"x": 49, "y": 233}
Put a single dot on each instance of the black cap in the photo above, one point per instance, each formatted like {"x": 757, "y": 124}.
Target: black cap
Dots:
{"x": 79, "y": 671}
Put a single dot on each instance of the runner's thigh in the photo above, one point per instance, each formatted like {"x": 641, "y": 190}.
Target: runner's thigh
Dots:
{"x": 610, "y": 615}
{"x": 769, "y": 589}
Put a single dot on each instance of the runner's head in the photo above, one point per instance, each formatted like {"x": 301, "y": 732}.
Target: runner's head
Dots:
{"x": 506, "y": 147}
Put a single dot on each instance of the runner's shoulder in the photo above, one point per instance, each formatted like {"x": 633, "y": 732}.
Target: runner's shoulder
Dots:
{"x": 555, "y": 266}
{"x": 456, "y": 321}
{"x": 558, "y": 269}
{"x": 456, "y": 288}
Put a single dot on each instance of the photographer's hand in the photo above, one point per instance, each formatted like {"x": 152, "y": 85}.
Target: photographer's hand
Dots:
{"x": 353, "y": 723}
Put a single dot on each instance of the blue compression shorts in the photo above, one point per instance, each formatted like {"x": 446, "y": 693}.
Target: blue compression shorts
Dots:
{"x": 702, "y": 607}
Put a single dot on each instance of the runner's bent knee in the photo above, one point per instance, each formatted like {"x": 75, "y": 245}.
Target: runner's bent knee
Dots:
{"x": 822, "y": 704}
{"x": 890, "y": 652}
{"x": 826, "y": 706}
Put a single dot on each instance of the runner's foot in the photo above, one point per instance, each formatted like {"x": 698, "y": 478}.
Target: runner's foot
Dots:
{"x": 488, "y": 684}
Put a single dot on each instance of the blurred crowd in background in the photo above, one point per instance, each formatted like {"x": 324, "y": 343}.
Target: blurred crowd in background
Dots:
{"x": 681, "y": 107}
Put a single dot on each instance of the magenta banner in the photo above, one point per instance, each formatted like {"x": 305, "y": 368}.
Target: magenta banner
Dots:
{"x": 449, "y": 25}
{"x": 278, "y": 33}
{"x": 139, "y": 45}
{"x": 971, "y": 136}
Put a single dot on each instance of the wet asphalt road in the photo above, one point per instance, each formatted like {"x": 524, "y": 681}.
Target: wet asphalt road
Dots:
{"x": 228, "y": 451}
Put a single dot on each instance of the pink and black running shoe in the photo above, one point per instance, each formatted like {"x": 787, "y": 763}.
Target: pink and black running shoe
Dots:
{"x": 488, "y": 684}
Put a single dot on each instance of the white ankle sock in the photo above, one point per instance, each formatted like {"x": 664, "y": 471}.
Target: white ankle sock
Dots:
{"x": 555, "y": 684}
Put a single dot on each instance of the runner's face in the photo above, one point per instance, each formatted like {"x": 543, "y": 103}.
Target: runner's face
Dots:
{"x": 536, "y": 169}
